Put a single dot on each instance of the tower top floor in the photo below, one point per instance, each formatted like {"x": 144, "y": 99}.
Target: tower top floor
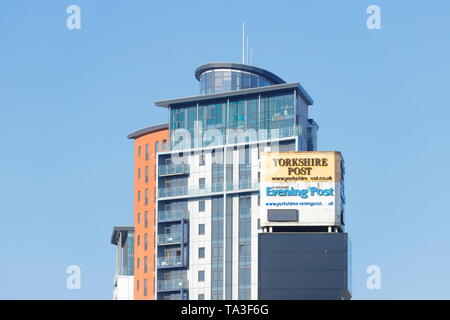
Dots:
{"x": 226, "y": 76}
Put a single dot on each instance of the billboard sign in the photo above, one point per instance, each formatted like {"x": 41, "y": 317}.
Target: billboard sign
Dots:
{"x": 302, "y": 188}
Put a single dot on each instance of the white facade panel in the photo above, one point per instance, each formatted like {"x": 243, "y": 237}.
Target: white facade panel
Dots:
{"x": 123, "y": 288}
{"x": 196, "y": 241}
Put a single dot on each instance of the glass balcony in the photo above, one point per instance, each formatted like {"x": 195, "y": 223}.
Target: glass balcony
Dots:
{"x": 185, "y": 191}
{"x": 172, "y": 215}
{"x": 170, "y": 238}
{"x": 242, "y": 185}
{"x": 125, "y": 271}
{"x": 167, "y": 262}
{"x": 172, "y": 285}
{"x": 172, "y": 191}
{"x": 217, "y": 187}
{"x": 170, "y": 169}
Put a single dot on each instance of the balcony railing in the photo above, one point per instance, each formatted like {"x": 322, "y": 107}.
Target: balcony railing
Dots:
{"x": 242, "y": 185}
{"x": 170, "y": 238}
{"x": 187, "y": 191}
{"x": 172, "y": 285}
{"x": 172, "y": 191}
{"x": 172, "y": 215}
{"x": 124, "y": 271}
{"x": 170, "y": 262}
{"x": 171, "y": 169}
{"x": 218, "y": 187}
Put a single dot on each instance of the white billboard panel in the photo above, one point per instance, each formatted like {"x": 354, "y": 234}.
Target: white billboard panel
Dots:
{"x": 301, "y": 189}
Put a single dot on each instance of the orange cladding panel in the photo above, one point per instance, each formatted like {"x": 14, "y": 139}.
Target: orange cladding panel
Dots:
{"x": 144, "y": 212}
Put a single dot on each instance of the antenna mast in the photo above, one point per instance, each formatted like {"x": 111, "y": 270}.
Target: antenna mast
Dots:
{"x": 243, "y": 42}
{"x": 247, "y": 50}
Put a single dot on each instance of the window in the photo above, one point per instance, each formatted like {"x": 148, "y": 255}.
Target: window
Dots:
{"x": 138, "y": 263}
{"x": 139, "y": 240}
{"x": 201, "y": 253}
{"x": 146, "y": 152}
{"x": 201, "y": 229}
{"x": 217, "y": 250}
{"x": 137, "y": 285}
{"x": 201, "y": 297}
{"x": 153, "y": 284}
{"x": 139, "y": 196}
{"x": 201, "y": 206}
{"x": 157, "y": 146}
{"x": 146, "y": 197}
{"x": 139, "y": 218}
{"x": 145, "y": 264}
{"x": 146, "y": 242}
{"x": 201, "y": 160}
{"x": 201, "y": 276}
{"x": 139, "y": 173}
{"x": 245, "y": 168}
{"x": 145, "y": 287}
{"x": 146, "y": 219}
{"x": 146, "y": 174}
{"x": 164, "y": 145}
{"x": 244, "y": 273}
{"x": 139, "y": 151}
{"x": 217, "y": 178}
{"x": 201, "y": 183}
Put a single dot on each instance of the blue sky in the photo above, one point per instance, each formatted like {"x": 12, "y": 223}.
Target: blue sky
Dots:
{"x": 68, "y": 98}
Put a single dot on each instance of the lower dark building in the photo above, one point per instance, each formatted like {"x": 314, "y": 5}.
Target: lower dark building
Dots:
{"x": 303, "y": 266}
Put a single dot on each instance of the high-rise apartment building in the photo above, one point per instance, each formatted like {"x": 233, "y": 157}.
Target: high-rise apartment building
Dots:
{"x": 198, "y": 232}
{"x": 208, "y": 181}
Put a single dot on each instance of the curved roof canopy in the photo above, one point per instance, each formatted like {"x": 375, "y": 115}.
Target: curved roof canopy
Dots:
{"x": 237, "y": 66}
{"x": 147, "y": 130}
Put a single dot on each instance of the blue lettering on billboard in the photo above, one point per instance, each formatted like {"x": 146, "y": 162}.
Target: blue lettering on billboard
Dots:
{"x": 302, "y": 193}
